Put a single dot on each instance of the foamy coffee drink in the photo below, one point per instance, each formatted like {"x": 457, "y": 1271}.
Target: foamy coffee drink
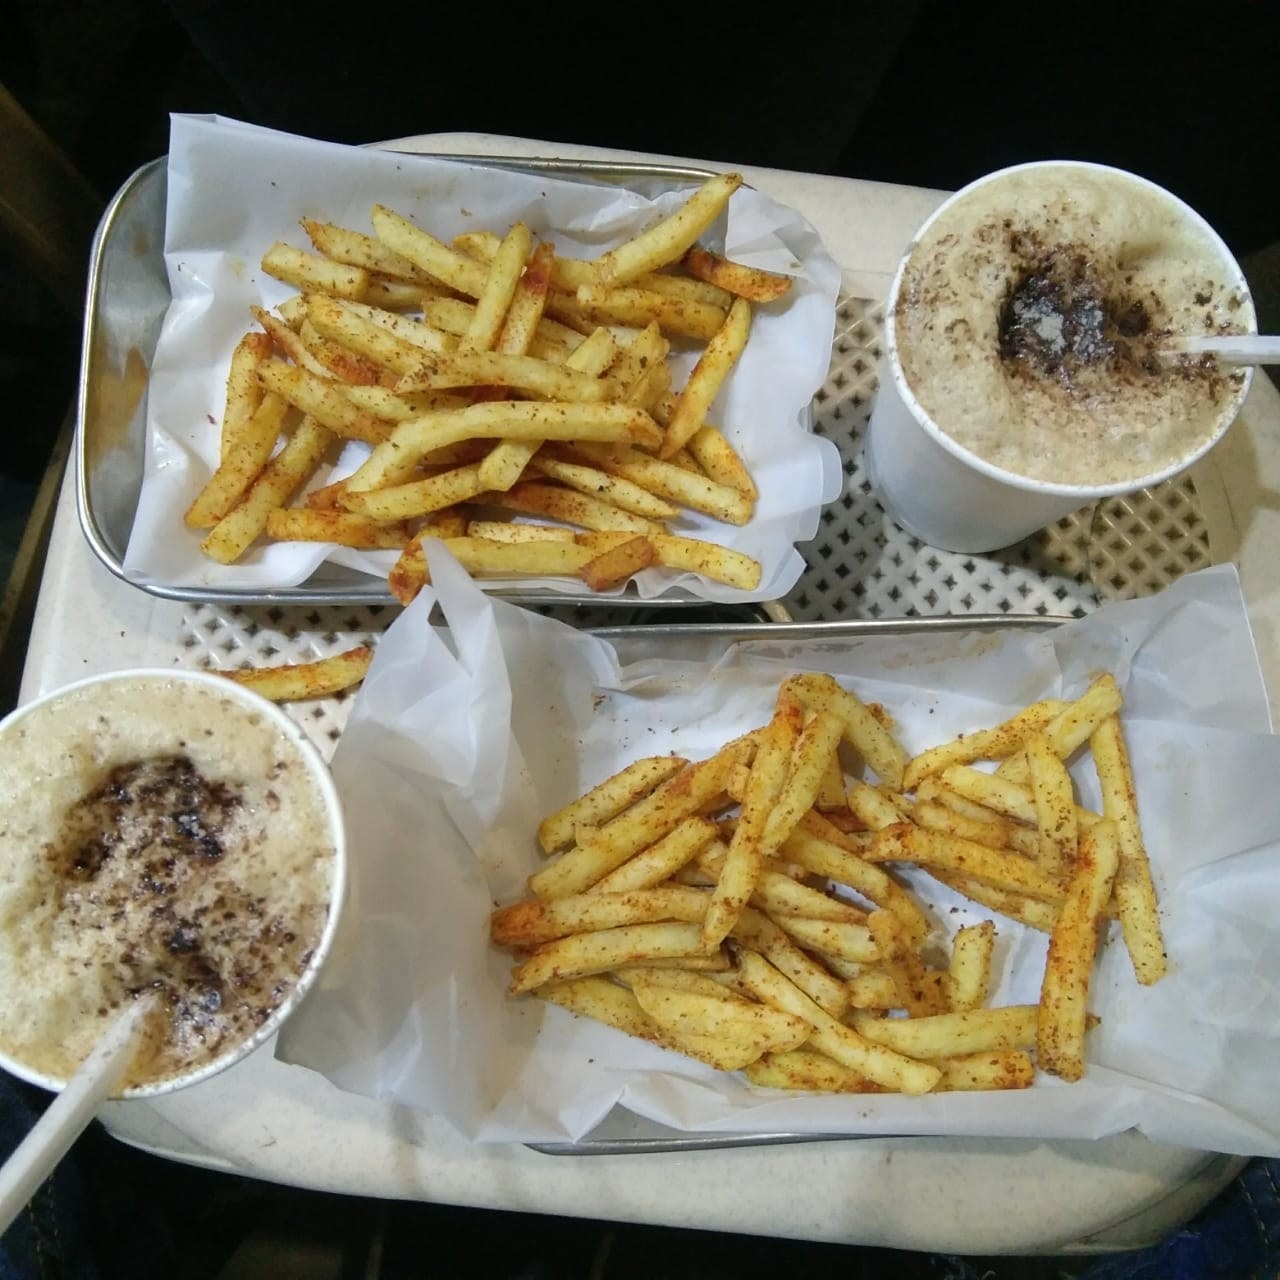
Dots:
{"x": 1031, "y": 317}
{"x": 155, "y": 836}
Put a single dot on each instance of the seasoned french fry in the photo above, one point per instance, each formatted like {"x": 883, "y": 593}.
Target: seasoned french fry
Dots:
{"x": 714, "y": 366}
{"x": 319, "y": 679}
{"x": 661, "y": 859}
{"x": 946, "y": 1035}
{"x": 306, "y": 524}
{"x": 667, "y": 241}
{"x": 584, "y": 954}
{"x": 604, "y": 1001}
{"x": 755, "y": 930}
{"x": 323, "y": 401}
{"x": 525, "y": 925}
{"x": 868, "y": 737}
{"x": 359, "y": 332}
{"x": 1017, "y": 906}
{"x": 749, "y": 846}
{"x": 428, "y": 254}
{"x": 618, "y": 564}
{"x": 608, "y": 799}
{"x": 1072, "y": 947}
{"x": 647, "y": 821}
{"x": 908, "y": 843}
{"x": 621, "y": 493}
{"x": 533, "y": 498}
{"x": 1135, "y": 894}
{"x": 244, "y": 389}
{"x": 282, "y": 477}
{"x": 828, "y": 937}
{"x": 985, "y": 744}
{"x": 681, "y": 316}
{"x": 357, "y": 250}
{"x": 882, "y": 1065}
{"x": 1071, "y": 728}
{"x": 505, "y": 531}
{"x": 969, "y": 976}
{"x": 757, "y": 1027}
{"x": 722, "y": 462}
{"x": 871, "y": 806}
{"x": 416, "y": 497}
{"x": 313, "y": 274}
{"x": 1012, "y": 799}
{"x": 1054, "y": 798}
{"x": 540, "y": 559}
{"x": 733, "y": 277}
{"x": 411, "y": 441}
{"x": 240, "y": 465}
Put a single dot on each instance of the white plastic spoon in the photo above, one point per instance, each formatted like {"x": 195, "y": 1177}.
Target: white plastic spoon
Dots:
{"x": 1241, "y": 348}
{"x": 70, "y": 1112}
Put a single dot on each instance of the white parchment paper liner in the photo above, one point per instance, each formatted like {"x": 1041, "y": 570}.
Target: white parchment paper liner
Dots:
{"x": 461, "y": 740}
{"x": 234, "y": 189}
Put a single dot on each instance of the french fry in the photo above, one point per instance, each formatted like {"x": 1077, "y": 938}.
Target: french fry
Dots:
{"x": 304, "y": 524}
{"x": 995, "y": 1069}
{"x": 1017, "y": 906}
{"x": 870, "y": 805}
{"x": 584, "y": 954}
{"x": 469, "y": 368}
{"x": 868, "y": 737}
{"x": 527, "y": 303}
{"x": 409, "y": 573}
{"x": 806, "y": 1070}
{"x": 683, "y": 317}
{"x": 312, "y": 274}
{"x": 616, "y": 566}
{"x": 322, "y": 400}
{"x": 335, "y": 361}
{"x": 621, "y": 493}
{"x": 505, "y": 531}
{"x": 1054, "y": 798}
{"x": 881, "y": 1065}
{"x": 1012, "y": 799}
{"x": 1071, "y": 728}
{"x": 985, "y": 744}
{"x": 296, "y": 681}
{"x": 289, "y": 342}
{"x": 684, "y": 1013}
{"x": 667, "y": 480}
{"x": 608, "y": 799}
{"x": 385, "y": 404}
{"x": 603, "y": 1001}
{"x": 356, "y": 250}
{"x": 1135, "y": 894}
{"x": 755, "y": 930}
{"x": 992, "y": 830}
{"x": 828, "y": 937}
{"x": 969, "y": 976}
{"x": 710, "y": 559}
{"x": 815, "y": 748}
{"x": 908, "y": 843}
{"x": 240, "y": 465}
{"x": 749, "y": 845}
{"x": 714, "y": 366}
{"x": 1072, "y": 947}
{"x": 644, "y": 823}
{"x": 533, "y": 498}
{"x": 417, "y": 497}
{"x": 244, "y": 390}
{"x": 668, "y": 240}
{"x": 661, "y": 859}
{"x": 398, "y": 295}
{"x": 282, "y": 477}
{"x": 722, "y": 462}
{"x": 428, "y": 254}
{"x": 733, "y": 277}
{"x": 525, "y": 925}
{"x": 411, "y": 441}
{"x": 918, "y": 993}
{"x": 945, "y": 1035}
{"x": 359, "y": 332}
{"x": 540, "y": 559}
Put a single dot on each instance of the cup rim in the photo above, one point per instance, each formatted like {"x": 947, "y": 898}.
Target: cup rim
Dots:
{"x": 320, "y": 774}
{"x": 1029, "y": 484}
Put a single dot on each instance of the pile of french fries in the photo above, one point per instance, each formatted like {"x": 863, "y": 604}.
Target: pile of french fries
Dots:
{"x": 743, "y": 909}
{"x": 528, "y": 418}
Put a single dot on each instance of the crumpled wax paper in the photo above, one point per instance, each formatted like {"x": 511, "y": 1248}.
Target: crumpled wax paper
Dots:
{"x": 462, "y": 739}
{"x": 234, "y": 189}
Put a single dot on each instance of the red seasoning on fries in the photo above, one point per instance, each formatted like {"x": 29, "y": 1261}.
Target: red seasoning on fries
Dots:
{"x": 720, "y": 909}
{"x": 554, "y": 371}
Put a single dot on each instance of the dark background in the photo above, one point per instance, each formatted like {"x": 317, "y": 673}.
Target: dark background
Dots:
{"x": 926, "y": 92}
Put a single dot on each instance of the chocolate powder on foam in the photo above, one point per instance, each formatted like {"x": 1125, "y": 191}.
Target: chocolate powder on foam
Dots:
{"x": 131, "y": 859}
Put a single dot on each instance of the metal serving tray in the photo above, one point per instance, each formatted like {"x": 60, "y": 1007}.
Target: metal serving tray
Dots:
{"x": 128, "y": 295}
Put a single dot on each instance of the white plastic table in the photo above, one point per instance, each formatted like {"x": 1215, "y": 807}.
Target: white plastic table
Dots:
{"x": 289, "y": 1125}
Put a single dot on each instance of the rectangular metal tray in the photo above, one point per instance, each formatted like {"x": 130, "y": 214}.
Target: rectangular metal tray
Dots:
{"x": 621, "y": 1132}
{"x": 128, "y": 294}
